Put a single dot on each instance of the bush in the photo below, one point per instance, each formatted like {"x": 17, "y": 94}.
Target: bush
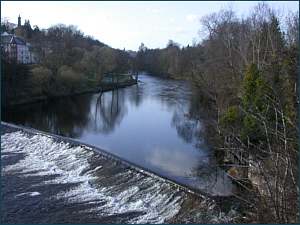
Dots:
{"x": 42, "y": 80}
{"x": 63, "y": 83}
{"x": 68, "y": 80}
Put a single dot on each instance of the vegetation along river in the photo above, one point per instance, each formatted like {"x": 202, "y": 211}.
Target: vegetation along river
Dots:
{"x": 147, "y": 124}
{"x": 149, "y": 129}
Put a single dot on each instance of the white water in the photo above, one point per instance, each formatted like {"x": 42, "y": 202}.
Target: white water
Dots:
{"x": 152, "y": 200}
{"x": 151, "y": 125}
{"x": 46, "y": 157}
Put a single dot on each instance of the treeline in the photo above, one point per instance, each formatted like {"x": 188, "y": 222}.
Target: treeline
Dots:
{"x": 66, "y": 58}
{"x": 72, "y": 58}
{"x": 248, "y": 69}
{"x": 171, "y": 62}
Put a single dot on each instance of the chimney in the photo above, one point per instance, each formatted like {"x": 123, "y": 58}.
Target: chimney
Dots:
{"x": 19, "y": 21}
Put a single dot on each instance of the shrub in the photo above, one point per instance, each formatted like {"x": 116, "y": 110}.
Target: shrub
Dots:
{"x": 63, "y": 83}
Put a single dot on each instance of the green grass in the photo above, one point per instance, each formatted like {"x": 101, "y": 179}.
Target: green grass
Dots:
{"x": 120, "y": 76}
{"x": 93, "y": 80}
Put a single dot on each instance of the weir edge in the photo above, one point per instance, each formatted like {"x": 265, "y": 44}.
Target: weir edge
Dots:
{"x": 113, "y": 157}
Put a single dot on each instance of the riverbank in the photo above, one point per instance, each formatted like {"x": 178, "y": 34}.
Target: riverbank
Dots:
{"x": 26, "y": 96}
{"x": 49, "y": 179}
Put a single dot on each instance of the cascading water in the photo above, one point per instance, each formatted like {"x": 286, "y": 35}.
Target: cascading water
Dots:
{"x": 49, "y": 180}
{"x": 155, "y": 124}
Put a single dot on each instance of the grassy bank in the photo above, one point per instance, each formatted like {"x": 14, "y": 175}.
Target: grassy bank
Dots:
{"x": 23, "y": 96}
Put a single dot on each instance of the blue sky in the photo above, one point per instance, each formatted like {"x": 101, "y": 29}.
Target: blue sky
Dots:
{"x": 126, "y": 24}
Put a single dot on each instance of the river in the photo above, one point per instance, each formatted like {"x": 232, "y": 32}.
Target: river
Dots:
{"x": 148, "y": 124}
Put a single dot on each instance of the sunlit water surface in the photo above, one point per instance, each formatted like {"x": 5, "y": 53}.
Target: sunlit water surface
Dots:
{"x": 148, "y": 124}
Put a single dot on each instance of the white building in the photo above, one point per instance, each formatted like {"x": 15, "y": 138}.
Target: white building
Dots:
{"x": 17, "y": 49}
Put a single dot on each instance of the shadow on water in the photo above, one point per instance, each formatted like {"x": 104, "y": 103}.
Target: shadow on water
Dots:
{"x": 47, "y": 180}
{"x": 66, "y": 116}
{"x": 153, "y": 124}
{"x": 109, "y": 112}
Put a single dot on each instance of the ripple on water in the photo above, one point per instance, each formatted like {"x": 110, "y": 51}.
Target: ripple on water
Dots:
{"x": 55, "y": 182}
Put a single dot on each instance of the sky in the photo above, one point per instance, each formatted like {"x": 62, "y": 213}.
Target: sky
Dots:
{"x": 127, "y": 24}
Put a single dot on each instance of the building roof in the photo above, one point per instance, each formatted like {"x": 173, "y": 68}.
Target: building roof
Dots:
{"x": 11, "y": 39}
{"x": 5, "y": 33}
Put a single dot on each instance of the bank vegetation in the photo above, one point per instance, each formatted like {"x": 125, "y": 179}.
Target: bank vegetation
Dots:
{"x": 248, "y": 71}
{"x": 69, "y": 63}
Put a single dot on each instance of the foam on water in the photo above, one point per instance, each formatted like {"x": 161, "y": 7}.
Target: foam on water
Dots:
{"x": 47, "y": 157}
{"x": 103, "y": 188}
{"x": 35, "y": 193}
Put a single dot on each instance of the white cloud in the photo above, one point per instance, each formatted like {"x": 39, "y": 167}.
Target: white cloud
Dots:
{"x": 178, "y": 28}
{"x": 192, "y": 18}
{"x": 174, "y": 161}
{"x": 168, "y": 22}
{"x": 155, "y": 10}
{"x": 161, "y": 29}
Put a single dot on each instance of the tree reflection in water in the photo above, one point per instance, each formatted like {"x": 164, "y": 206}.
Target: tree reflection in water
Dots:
{"x": 109, "y": 111}
{"x": 211, "y": 178}
{"x": 187, "y": 129}
{"x": 158, "y": 113}
{"x": 136, "y": 95}
{"x": 65, "y": 116}
{"x": 208, "y": 175}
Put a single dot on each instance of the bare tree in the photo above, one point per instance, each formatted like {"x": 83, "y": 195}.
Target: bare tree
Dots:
{"x": 100, "y": 61}
{"x": 256, "y": 112}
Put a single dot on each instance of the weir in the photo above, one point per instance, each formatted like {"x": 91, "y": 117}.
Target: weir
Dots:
{"x": 99, "y": 186}
{"x": 151, "y": 125}
{"x": 111, "y": 156}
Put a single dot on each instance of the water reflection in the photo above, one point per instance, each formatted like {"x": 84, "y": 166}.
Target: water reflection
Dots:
{"x": 137, "y": 95}
{"x": 173, "y": 161}
{"x": 154, "y": 124}
{"x": 66, "y": 117}
{"x": 216, "y": 180}
{"x": 107, "y": 112}
{"x": 187, "y": 129}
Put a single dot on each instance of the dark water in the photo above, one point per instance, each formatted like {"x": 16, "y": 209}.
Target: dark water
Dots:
{"x": 47, "y": 180}
{"x": 148, "y": 124}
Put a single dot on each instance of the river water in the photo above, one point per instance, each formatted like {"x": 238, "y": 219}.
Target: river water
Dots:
{"x": 148, "y": 124}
